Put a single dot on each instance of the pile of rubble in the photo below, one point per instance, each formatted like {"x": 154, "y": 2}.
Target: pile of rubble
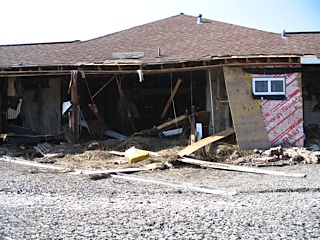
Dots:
{"x": 277, "y": 156}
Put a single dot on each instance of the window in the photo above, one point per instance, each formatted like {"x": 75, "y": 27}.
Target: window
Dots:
{"x": 268, "y": 86}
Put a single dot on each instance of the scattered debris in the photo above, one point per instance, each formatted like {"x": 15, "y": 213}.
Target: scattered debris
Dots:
{"x": 43, "y": 148}
{"x": 278, "y": 156}
{"x": 50, "y": 158}
{"x": 94, "y": 146}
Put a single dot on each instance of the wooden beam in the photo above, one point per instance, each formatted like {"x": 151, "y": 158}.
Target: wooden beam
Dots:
{"x": 28, "y": 72}
{"x": 229, "y": 167}
{"x": 171, "y": 98}
{"x": 103, "y": 87}
{"x": 170, "y": 123}
{"x": 203, "y": 142}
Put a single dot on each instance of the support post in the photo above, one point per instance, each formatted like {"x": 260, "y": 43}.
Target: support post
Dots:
{"x": 74, "y": 115}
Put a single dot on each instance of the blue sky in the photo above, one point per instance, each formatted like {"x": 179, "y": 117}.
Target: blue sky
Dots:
{"x": 34, "y": 21}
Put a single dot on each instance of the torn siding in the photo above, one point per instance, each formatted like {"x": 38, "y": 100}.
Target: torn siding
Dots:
{"x": 284, "y": 118}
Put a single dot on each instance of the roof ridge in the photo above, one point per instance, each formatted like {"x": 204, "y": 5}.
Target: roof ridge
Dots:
{"x": 137, "y": 26}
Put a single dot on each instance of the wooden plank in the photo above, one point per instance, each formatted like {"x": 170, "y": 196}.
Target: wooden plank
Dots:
{"x": 29, "y": 163}
{"x": 246, "y": 112}
{"x": 107, "y": 171}
{"x": 238, "y": 168}
{"x": 170, "y": 123}
{"x": 203, "y": 142}
{"x": 171, "y": 98}
{"x": 205, "y": 189}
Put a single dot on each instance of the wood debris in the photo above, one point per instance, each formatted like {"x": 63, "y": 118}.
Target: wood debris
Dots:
{"x": 278, "y": 156}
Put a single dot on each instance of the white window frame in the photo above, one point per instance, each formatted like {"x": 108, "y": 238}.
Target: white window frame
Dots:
{"x": 269, "y": 80}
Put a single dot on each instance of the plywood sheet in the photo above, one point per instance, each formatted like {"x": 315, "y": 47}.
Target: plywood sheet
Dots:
{"x": 246, "y": 112}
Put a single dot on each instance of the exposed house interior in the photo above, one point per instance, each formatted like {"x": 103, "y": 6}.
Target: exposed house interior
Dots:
{"x": 311, "y": 99}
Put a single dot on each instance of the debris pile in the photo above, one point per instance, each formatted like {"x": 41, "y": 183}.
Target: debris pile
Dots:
{"x": 277, "y": 156}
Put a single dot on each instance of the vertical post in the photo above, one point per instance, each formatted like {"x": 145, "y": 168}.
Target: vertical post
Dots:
{"x": 74, "y": 115}
{"x": 218, "y": 101}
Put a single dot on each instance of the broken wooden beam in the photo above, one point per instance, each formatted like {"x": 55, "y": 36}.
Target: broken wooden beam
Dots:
{"x": 203, "y": 142}
{"x": 229, "y": 167}
{"x": 205, "y": 189}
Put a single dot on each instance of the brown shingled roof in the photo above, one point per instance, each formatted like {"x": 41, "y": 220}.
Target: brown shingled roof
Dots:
{"x": 179, "y": 38}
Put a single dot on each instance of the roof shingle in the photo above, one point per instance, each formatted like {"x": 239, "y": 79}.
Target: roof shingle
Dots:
{"x": 180, "y": 38}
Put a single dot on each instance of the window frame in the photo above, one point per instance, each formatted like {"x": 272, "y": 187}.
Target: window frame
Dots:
{"x": 269, "y": 92}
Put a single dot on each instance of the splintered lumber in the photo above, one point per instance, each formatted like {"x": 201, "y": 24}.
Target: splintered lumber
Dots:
{"x": 237, "y": 168}
{"x": 205, "y": 189}
{"x": 29, "y": 163}
{"x": 171, "y": 98}
{"x": 203, "y": 142}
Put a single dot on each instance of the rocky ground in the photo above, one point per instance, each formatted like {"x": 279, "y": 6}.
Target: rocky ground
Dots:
{"x": 46, "y": 204}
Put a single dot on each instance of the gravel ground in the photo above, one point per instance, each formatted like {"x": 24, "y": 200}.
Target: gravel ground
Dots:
{"x": 41, "y": 204}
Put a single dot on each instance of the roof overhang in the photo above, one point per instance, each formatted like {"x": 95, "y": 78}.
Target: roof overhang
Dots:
{"x": 131, "y": 67}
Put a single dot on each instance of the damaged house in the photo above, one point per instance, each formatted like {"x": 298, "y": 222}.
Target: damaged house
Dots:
{"x": 265, "y": 86}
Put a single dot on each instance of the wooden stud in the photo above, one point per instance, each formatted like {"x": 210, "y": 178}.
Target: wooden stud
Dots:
{"x": 218, "y": 102}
